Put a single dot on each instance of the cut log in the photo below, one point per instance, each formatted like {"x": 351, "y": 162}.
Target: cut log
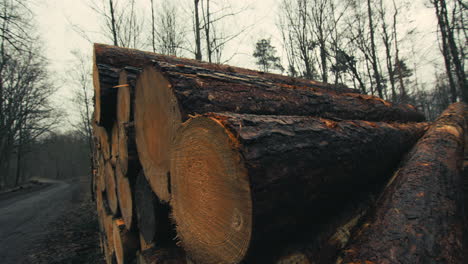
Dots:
{"x": 125, "y": 242}
{"x": 232, "y": 174}
{"x": 152, "y": 215}
{"x": 101, "y": 173}
{"x": 109, "y": 239}
{"x": 167, "y": 95}
{"x": 111, "y": 188}
{"x": 419, "y": 217}
{"x": 128, "y": 156}
{"x": 162, "y": 256}
{"x": 125, "y": 94}
{"x": 114, "y": 144}
{"x": 105, "y": 78}
{"x": 102, "y": 139}
{"x": 125, "y": 194}
{"x": 118, "y": 57}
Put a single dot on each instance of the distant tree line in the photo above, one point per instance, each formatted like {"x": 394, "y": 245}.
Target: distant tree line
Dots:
{"x": 29, "y": 143}
{"x": 369, "y": 45}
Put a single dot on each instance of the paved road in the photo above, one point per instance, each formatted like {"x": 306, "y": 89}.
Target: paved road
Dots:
{"x": 25, "y": 217}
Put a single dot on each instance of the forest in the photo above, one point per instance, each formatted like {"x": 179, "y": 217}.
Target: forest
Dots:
{"x": 372, "y": 46}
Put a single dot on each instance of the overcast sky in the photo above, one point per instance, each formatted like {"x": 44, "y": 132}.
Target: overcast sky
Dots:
{"x": 56, "y": 17}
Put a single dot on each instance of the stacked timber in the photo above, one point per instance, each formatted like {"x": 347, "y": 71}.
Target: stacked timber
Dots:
{"x": 207, "y": 163}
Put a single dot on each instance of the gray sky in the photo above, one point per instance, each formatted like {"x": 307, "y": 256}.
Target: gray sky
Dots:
{"x": 55, "y": 19}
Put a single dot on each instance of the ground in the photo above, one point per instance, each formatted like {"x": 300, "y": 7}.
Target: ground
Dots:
{"x": 49, "y": 222}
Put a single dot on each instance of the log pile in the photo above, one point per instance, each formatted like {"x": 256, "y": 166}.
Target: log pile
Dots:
{"x": 206, "y": 163}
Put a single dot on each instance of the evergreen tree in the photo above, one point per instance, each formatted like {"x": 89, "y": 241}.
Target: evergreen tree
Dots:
{"x": 266, "y": 57}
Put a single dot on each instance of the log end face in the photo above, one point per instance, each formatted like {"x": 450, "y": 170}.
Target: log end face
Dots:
{"x": 211, "y": 197}
{"x": 111, "y": 188}
{"x": 157, "y": 117}
{"x": 124, "y": 192}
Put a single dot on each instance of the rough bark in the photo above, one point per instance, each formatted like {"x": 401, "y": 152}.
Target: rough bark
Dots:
{"x": 125, "y": 242}
{"x": 152, "y": 216}
{"x": 233, "y": 173}
{"x": 166, "y": 95}
{"x": 118, "y": 58}
{"x": 162, "y": 256}
{"x": 419, "y": 217}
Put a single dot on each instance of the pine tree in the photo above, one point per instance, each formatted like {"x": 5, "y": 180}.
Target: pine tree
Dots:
{"x": 266, "y": 57}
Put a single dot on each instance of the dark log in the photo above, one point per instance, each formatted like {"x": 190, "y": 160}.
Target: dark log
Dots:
{"x": 152, "y": 216}
{"x": 118, "y": 57}
{"x": 156, "y": 255}
{"x": 419, "y": 217}
{"x": 166, "y": 95}
{"x": 143, "y": 244}
{"x": 105, "y": 78}
{"x": 234, "y": 176}
{"x": 125, "y": 242}
{"x": 125, "y": 194}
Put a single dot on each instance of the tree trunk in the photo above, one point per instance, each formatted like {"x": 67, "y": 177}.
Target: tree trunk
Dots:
{"x": 419, "y": 216}
{"x": 374, "y": 61}
{"x": 125, "y": 242}
{"x": 198, "y": 54}
{"x": 446, "y": 51}
{"x": 232, "y": 174}
{"x": 152, "y": 216}
{"x": 153, "y": 28}
{"x": 167, "y": 96}
{"x": 459, "y": 69}
{"x": 113, "y": 26}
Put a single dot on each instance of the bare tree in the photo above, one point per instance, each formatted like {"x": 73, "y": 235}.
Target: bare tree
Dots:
{"x": 122, "y": 22}
{"x": 25, "y": 110}
{"x": 210, "y": 20}
{"x": 197, "y": 29}
{"x": 153, "y": 28}
{"x": 169, "y": 33}
{"x": 80, "y": 76}
{"x": 374, "y": 61}
{"x": 450, "y": 50}
{"x": 298, "y": 39}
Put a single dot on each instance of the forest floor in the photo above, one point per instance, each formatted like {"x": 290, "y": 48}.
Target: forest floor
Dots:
{"x": 49, "y": 222}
